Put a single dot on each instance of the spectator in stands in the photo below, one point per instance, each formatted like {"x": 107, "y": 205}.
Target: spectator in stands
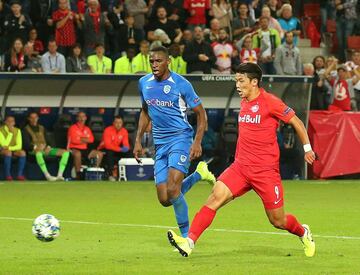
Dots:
{"x": 141, "y": 63}
{"x": 94, "y": 26}
{"x": 197, "y": 10}
{"x": 15, "y": 59}
{"x": 274, "y": 8}
{"x": 186, "y": 38}
{"x": 76, "y": 62}
{"x": 65, "y": 22}
{"x": 243, "y": 24}
{"x": 224, "y": 51}
{"x": 319, "y": 64}
{"x": 246, "y": 51}
{"x": 177, "y": 64}
{"x": 289, "y": 23}
{"x": 273, "y": 23}
{"x": 17, "y": 24}
{"x": 345, "y": 21}
{"x": 254, "y": 9}
{"x": 120, "y": 30}
{"x": 38, "y": 45}
{"x": 318, "y": 91}
{"x": 353, "y": 65}
{"x": 4, "y": 11}
{"x": 343, "y": 87}
{"x": 287, "y": 57}
{"x": 79, "y": 137}
{"x": 212, "y": 34}
{"x": 326, "y": 13}
{"x": 11, "y": 146}
{"x": 98, "y": 62}
{"x": 198, "y": 54}
{"x": 37, "y": 144}
{"x": 40, "y": 14}
{"x": 52, "y": 61}
{"x": 267, "y": 40}
{"x": 33, "y": 59}
{"x": 114, "y": 144}
{"x": 222, "y": 12}
{"x": 124, "y": 65}
{"x": 174, "y": 10}
{"x": 171, "y": 30}
{"x": 139, "y": 10}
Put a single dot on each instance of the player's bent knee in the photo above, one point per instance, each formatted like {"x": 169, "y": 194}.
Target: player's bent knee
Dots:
{"x": 165, "y": 203}
{"x": 278, "y": 223}
{"x": 219, "y": 196}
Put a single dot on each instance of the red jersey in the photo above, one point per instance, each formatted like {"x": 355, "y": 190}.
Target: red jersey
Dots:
{"x": 200, "y": 7}
{"x": 113, "y": 139}
{"x": 75, "y": 133}
{"x": 342, "y": 99}
{"x": 66, "y": 35}
{"x": 258, "y": 121}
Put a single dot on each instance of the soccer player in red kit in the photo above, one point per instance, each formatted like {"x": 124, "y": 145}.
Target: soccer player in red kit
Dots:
{"x": 256, "y": 165}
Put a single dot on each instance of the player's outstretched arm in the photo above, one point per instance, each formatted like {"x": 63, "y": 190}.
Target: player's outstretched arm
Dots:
{"x": 300, "y": 129}
{"x": 144, "y": 120}
{"x": 196, "y": 150}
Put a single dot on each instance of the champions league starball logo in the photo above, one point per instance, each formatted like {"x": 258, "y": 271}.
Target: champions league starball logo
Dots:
{"x": 167, "y": 89}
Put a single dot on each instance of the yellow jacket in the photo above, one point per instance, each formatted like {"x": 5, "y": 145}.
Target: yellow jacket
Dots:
{"x": 141, "y": 64}
{"x": 177, "y": 65}
{"x": 11, "y": 140}
{"x": 123, "y": 66}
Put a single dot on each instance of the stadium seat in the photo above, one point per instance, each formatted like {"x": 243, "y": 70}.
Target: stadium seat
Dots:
{"x": 130, "y": 125}
{"x": 60, "y": 130}
{"x": 331, "y": 26}
{"x": 353, "y": 42}
{"x": 96, "y": 124}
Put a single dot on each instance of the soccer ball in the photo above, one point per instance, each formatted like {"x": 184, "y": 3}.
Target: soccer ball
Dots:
{"x": 46, "y": 228}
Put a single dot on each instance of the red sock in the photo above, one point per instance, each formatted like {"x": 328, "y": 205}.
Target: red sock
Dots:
{"x": 202, "y": 220}
{"x": 293, "y": 226}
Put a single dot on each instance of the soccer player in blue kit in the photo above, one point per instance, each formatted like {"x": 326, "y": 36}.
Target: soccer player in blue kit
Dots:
{"x": 165, "y": 96}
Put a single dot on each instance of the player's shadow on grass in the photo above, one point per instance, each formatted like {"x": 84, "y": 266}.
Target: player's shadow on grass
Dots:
{"x": 249, "y": 251}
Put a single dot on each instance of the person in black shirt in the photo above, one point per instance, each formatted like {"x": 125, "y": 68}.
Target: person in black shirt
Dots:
{"x": 15, "y": 59}
{"x": 117, "y": 20}
{"x": 170, "y": 27}
{"x": 174, "y": 10}
{"x": 199, "y": 54}
{"x": 17, "y": 24}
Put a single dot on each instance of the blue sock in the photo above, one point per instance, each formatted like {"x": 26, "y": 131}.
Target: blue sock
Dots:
{"x": 7, "y": 166}
{"x": 189, "y": 181}
{"x": 21, "y": 166}
{"x": 181, "y": 214}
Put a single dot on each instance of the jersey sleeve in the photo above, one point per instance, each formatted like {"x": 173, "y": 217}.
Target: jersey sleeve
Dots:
{"x": 188, "y": 93}
{"x": 279, "y": 109}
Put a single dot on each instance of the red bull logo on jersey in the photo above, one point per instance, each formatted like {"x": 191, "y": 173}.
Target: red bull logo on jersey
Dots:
{"x": 250, "y": 119}
{"x": 161, "y": 103}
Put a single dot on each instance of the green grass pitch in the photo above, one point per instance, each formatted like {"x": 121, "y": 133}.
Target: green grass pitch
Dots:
{"x": 120, "y": 228}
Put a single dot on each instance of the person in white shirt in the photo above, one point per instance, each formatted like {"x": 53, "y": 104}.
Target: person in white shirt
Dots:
{"x": 53, "y": 62}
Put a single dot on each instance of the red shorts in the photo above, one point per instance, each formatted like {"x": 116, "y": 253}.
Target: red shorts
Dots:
{"x": 266, "y": 182}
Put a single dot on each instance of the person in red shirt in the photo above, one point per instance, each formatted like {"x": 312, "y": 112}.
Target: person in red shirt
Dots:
{"x": 256, "y": 165}
{"x": 115, "y": 144}
{"x": 79, "y": 137}
{"x": 65, "y": 21}
{"x": 197, "y": 12}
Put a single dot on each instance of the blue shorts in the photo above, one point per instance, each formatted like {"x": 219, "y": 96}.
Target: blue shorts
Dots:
{"x": 173, "y": 155}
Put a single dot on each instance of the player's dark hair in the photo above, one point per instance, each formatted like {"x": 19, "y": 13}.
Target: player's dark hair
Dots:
{"x": 118, "y": 117}
{"x": 160, "y": 49}
{"x": 252, "y": 71}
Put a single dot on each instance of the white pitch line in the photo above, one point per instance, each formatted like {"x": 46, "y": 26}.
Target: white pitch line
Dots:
{"x": 173, "y": 227}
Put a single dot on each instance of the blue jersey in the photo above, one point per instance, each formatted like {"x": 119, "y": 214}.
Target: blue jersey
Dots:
{"x": 167, "y": 102}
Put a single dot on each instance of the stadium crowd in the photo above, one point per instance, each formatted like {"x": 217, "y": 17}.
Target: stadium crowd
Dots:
{"x": 203, "y": 36}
